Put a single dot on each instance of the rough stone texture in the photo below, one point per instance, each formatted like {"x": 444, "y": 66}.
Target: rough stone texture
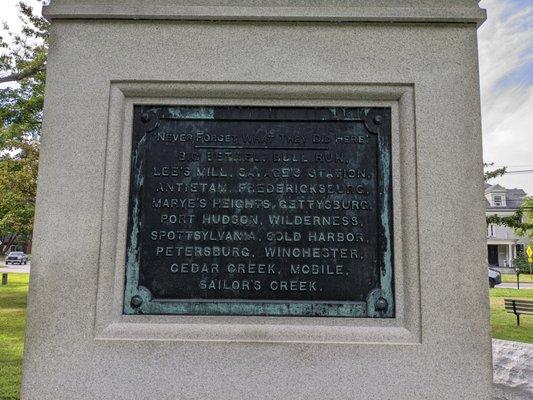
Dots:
{"x": 513, "y": 370}
{"x": 282, "y": 10}
{"x": 450, "y": 358}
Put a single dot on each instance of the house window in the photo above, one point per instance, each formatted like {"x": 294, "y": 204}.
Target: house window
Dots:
{"x": 497, "y": 200}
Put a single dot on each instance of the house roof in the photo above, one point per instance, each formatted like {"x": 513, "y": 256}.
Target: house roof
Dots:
{"x": 495, "y": 188}
{"x": 513, "y": 197}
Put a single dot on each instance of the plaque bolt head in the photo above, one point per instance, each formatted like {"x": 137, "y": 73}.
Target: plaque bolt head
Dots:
{"x": 145, "y": 117}
{"x": 381, "y": 304}
{"x": 136, "y": 301}
{"x": 378, "y": 119}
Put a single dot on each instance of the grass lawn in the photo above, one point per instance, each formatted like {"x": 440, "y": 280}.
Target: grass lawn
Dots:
{"x": 511, "y": 278}
{"x": 13, "y": 317}
{"x": 12, "y": 322}
{"x": 504, "y": 323}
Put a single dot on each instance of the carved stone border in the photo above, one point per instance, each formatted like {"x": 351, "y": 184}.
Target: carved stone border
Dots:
{"x": 111, "y": 324}
{"x": 460, "y": 11}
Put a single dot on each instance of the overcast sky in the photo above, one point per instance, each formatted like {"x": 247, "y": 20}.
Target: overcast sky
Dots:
{"x": 506, "y": 71}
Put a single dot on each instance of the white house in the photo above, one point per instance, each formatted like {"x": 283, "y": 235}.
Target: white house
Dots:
{"x": 502, "y": 244}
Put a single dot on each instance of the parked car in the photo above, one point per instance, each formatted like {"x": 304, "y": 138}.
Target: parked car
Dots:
{"x": 17, "y": 257}
{"x": 495, "y": 277}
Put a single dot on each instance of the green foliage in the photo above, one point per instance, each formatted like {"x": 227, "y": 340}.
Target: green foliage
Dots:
{"x": 23, "y": 66}
{"x": 23, "y": 73}
{"x": 18, "y": 177}
{"x": 494, "y": 173}
{"x": 517, "y": 221}
{"x": 521, "y": 263}
{"x": 526, "y": 229}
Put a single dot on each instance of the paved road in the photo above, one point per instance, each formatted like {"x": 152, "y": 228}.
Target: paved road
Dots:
{"x": 523, "y": 285}
{"x": 14, "y": 268}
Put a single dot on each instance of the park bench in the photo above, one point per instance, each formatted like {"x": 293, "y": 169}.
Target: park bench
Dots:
{"x": 519, "y": 307}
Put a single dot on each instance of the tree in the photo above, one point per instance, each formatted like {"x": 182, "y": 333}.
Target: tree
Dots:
{"x": 526, "y": 230}
{"x": 495, "y": 173}
{"x": 23, "y": 75}
{"x": 522, "y": 220}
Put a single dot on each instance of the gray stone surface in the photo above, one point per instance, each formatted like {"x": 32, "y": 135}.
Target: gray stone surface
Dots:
{"x": 110, "y": 324}
{"x": 79, "y": 345}
{"x": 513, "y": 370}
{"x": 282, "y": 10}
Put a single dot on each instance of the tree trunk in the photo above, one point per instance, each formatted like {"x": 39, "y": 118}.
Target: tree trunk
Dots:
{"x": 7, "y": 245}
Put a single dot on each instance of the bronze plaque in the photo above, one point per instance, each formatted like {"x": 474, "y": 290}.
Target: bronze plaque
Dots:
{"x": 260, "y": 211}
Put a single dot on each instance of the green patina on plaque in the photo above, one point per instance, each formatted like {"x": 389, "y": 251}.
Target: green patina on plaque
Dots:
{"x": 268, "y": 211}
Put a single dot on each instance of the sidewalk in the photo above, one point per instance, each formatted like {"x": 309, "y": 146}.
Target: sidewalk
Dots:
{"x": 507, "y": 285}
